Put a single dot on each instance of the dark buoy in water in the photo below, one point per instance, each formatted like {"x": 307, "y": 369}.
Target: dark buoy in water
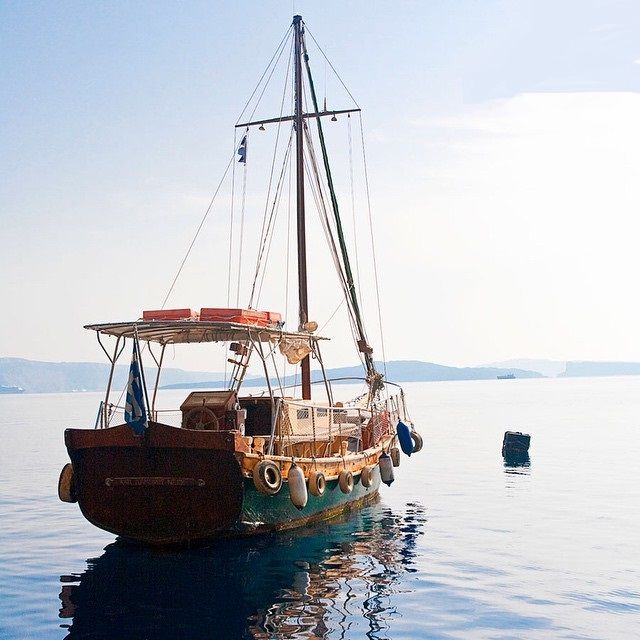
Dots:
{"x": 515, "y": 443}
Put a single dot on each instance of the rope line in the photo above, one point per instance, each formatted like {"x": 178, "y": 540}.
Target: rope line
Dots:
{"x": 373, "y": 247}
{"x": 311, "y": 168}
{"x": 233, "y": 185}
{"x": 264, "y": 229}
{"x": 241, "y": 239}
{"x": 353, "y": 210}
{"x": 268, "y": 235}
{"x": 277, "y": 53}
{"x": 324, "y": 55}
{"x": 195, "y": 237}
{"x": 342, "y": 301}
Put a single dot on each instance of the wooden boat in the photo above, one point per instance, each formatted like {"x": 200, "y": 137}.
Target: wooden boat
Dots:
{"x": 237, "y": 464}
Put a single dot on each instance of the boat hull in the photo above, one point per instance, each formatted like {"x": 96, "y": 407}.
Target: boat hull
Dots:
{"x": 175, "y": 487}
{"x": 261, "y": 513}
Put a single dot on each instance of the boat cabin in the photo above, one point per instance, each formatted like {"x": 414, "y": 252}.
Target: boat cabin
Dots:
{"x": 273, "y": 422}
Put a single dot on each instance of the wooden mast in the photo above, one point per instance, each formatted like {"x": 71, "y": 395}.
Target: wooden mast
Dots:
{"x": 298, "y": 118}
{"x": 302, "y": 243}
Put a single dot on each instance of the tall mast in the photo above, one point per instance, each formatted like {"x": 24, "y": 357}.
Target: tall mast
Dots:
{"x": 302, "y": 242}
{"x": 298, "y": 118}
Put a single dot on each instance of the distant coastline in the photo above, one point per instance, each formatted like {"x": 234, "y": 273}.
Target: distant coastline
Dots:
{"x": 64, "y": 377}
{"x": 18, "y": 375}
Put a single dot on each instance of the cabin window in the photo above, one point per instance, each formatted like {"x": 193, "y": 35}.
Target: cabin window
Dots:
{"x": 302, "y": 414}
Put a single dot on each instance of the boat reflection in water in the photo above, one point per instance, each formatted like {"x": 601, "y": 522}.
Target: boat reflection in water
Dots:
{"x": 333, "y": 578}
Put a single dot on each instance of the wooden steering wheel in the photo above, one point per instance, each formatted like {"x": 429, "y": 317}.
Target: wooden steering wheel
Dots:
{"x": 201, "y": 419}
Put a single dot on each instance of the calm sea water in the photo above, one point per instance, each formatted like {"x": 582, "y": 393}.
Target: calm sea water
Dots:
{"x": 461, "y": 546}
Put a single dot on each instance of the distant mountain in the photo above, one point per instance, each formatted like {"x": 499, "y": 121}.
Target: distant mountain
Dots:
{"x": 586, "y": 369}
{"x": 396, "y": 371}
{"x": 548, "y": 368}
{"x": 59, "y": 377}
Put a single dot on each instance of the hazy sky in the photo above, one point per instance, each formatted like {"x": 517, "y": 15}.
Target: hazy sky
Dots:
{"x": 503, "y": 143}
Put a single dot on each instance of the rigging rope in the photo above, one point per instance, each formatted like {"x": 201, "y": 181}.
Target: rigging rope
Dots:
{"x": 268, "y": 233}
{"x": 353, "y": 209}
{"x": 342, "y": 301}
{"x": 195, "y": 237}
{"x": 264, "y": 229}
{"x": 240, "y": 242}
{"x": 373, "y": 248}
{"x": 277, "y": 53}
{"x": 362, "y": 341}
{"x": 230, "y": 258}
{"x": 233, "y": 185}
{"x": 286, "y": 286}
{"x": 311, "y": 168}
{"x": 324, "y": 55}
{"x": 271, "y": 65}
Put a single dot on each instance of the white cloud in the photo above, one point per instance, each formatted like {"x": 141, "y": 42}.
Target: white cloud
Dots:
{"x": 525, "y": 227}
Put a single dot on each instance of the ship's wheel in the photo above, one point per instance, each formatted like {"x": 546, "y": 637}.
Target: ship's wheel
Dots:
{"x": 201, "y": 419}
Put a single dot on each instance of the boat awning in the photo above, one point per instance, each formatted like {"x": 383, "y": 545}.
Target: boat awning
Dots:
{"x": 187, "y": 331}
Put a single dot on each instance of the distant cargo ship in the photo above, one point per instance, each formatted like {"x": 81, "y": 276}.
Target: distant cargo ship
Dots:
{"x": 507, "y": 376}
{"x": 7, "y": 389}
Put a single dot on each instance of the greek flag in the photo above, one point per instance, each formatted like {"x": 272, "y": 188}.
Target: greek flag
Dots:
{"x": 242, "y": 150}
{"x": 135, "y": 414}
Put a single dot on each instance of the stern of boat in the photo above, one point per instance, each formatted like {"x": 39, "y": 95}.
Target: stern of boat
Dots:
{"x": 168, "y": 486}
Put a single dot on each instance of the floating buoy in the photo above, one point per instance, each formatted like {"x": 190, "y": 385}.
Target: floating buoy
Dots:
{"x": 345, "y": 480}
{"x": 297, "y": 486}
{"x": 386, "y": 469}
{"x": 317, "y": 483}
{"x": 66, "y": 484}
{"x": 394, "y": 452}
{"x": 515, "y": 442}
{"x": 366, "y": 476}
{"x": 404, "y": 436}
{"x": 417, "y": 441}
{"x": 267, "y": 477}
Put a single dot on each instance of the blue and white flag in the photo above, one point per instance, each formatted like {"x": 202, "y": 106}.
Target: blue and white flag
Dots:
{"x": 135, "y": 414}
{"x": 242, "y": 150}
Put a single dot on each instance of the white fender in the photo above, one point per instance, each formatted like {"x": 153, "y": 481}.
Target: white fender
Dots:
{"x": 267, "y": 477}
{"x": 297, "y": 487}
{"x": 366, "y": 476}
{"x": 317, "y": 483}
{"x": 386, "y": 469}
{"x": 394, "y": 452}
{"x": 345, "y": 480}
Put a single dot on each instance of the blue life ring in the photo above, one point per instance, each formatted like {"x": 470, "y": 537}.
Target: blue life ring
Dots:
{"x": 404, "y": 436}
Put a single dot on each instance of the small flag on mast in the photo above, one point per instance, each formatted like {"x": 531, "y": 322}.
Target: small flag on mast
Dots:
{"x": 242, "y": 150}
{"x": 135, "y": 414}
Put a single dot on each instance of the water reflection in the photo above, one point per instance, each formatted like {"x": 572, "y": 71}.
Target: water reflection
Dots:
{"x": 334, "y": 578}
